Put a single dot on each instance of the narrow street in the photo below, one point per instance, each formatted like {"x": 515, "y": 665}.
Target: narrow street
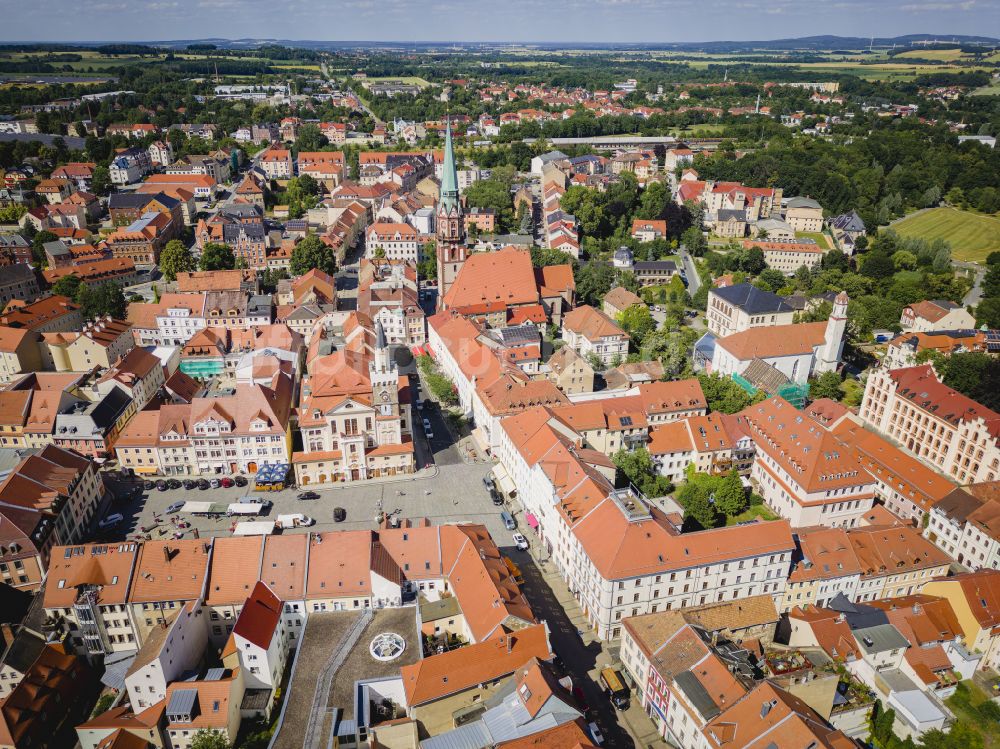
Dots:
{"x": 582, "y": 654}
{"x": 690, "y": 271}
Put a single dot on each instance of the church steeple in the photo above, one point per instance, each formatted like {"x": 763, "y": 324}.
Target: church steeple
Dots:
{"x": 449, "y": 179}
{"x": 451, "y": 249}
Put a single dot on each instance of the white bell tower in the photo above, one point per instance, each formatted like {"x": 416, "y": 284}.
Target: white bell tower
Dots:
{"x": 833, "y": 341}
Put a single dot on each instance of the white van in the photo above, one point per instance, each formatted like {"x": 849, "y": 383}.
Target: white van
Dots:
{"x": 294, "y": 520}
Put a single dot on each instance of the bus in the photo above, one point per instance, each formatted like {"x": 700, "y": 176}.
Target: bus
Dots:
{"x": 612, "y": 683}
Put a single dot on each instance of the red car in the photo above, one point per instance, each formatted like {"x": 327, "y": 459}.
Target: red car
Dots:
{"x": 581, "y": 700}
{"x": 228, "y": 482}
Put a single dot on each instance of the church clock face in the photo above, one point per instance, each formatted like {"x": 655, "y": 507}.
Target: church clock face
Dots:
{"x": 385, "y": 396}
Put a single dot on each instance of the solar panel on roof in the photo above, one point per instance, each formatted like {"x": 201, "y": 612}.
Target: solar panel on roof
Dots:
{"x": 182, "y": 702}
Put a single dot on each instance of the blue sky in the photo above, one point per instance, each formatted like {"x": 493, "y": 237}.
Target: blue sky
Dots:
{"x": 491, "y": 20}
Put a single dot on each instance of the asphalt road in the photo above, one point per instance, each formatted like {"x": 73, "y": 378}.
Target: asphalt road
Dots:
{"x": 453, "y": 493}
{"x": 694, "y": 282}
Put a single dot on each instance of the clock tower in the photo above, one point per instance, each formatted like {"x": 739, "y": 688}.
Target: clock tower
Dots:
{"x": 384, "y": 377}
{"x": 451, "y": 249}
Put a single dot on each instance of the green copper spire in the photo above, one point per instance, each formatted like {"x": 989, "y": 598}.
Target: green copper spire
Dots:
{"x": 449, "y": 180}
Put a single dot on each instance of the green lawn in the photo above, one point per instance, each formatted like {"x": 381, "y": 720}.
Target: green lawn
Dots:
{"x": 752, "y": 513}
{"x": 817, "y": 236}
{"x": 967, "y": 704}
{"x": 973, "y": 236}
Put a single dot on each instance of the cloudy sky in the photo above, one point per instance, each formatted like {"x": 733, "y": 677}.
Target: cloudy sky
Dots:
{"x": 490, "y": 20}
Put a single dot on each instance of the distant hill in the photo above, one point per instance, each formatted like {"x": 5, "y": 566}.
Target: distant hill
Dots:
{"x": 806, "y": 43}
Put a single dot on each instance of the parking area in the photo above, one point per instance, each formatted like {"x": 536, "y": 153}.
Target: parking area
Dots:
{"x": 449, "y": 493}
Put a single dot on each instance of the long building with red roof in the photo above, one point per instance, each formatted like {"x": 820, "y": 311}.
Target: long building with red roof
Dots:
{"x": 937, "y": 424}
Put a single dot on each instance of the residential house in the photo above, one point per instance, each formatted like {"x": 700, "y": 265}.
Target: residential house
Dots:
{"x": 590, "y": 332}
{"x": 570, "y": 372}
{"x": 939, "y": 314}
{"x": 618, "y": 300}
{"x": 394, "y": 242}
{"x": 99, "y": 343}
{"x": 18, "y": 282}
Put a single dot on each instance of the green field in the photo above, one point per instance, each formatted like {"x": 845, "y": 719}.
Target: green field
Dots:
{"x": 972, "y": 236}
{"x": 946, "y": 55}
{"x": 407, "y": 79}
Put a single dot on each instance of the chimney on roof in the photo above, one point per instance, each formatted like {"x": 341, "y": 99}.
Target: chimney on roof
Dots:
{"x": 166, "y": 553}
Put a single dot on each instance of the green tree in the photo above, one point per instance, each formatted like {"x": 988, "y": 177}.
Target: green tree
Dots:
{"x": 38, "y": 247}
{"x": 753, "y": 261}
{"x": 176, "y": 258}
{"x": 593, "y": 281}
{"x": 638, "y": 322}
{"x": 827, "y": 385}
{"x": 771, "y": 280}
{"x": 100, "y": 183}
{"x": 731, "y": 497}
{"x": 723, "y": 394}
{"x": 209, "y": 739}
{"x": 637, "y": 466}
{"x": 310, "y": 138}
{"x": 694, "y": 240}
{"x": 427, "y": 268}
{"x": 699, "y": 512}
{"x": 217, "y": 256}
{"x": 311, "y": 253}
{"x": 107, "y": 299}
{"x": 988, "y": 312}
{"x": 67, "y": 286}
{"x": 493, "y": 193}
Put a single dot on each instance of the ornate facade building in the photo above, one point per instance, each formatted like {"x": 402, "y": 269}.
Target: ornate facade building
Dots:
{"x": 355, "y": 416}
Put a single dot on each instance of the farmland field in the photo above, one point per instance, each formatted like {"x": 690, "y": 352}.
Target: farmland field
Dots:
{"x": 972, "y": 236}
{"x": 946, "y": 55}
{"x": 410, "y": 80}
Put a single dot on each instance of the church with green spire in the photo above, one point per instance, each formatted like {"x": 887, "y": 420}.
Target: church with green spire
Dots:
{"x": 450, "y": 220}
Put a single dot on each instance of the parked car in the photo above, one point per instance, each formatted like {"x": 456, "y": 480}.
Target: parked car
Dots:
{"x": 497, "y": 499}
{"x": 240, "y": 480}
{"x": 111, "y": 520}
{"x": 595, "y": 734}
{"x": 581, "y": 700}
{"x": 488, "y": 483}
{"x": 174, "y": 507}
{"x": 520, "y": 542}
{"x": 188, "y": 484}
{"x": 339, "y": 514}
{"x": 173, "y": 484}
{"x": 215, "y": 483}
{"x": 161, "y": 486}
{"x": 508, "y": 520}
{"x": 227, "y": 482}
{"x": 427, "y": 429}
{"x": 203, "y": 484}
{"x": 148, "y": 485}
{"x": 307, "y": 495}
